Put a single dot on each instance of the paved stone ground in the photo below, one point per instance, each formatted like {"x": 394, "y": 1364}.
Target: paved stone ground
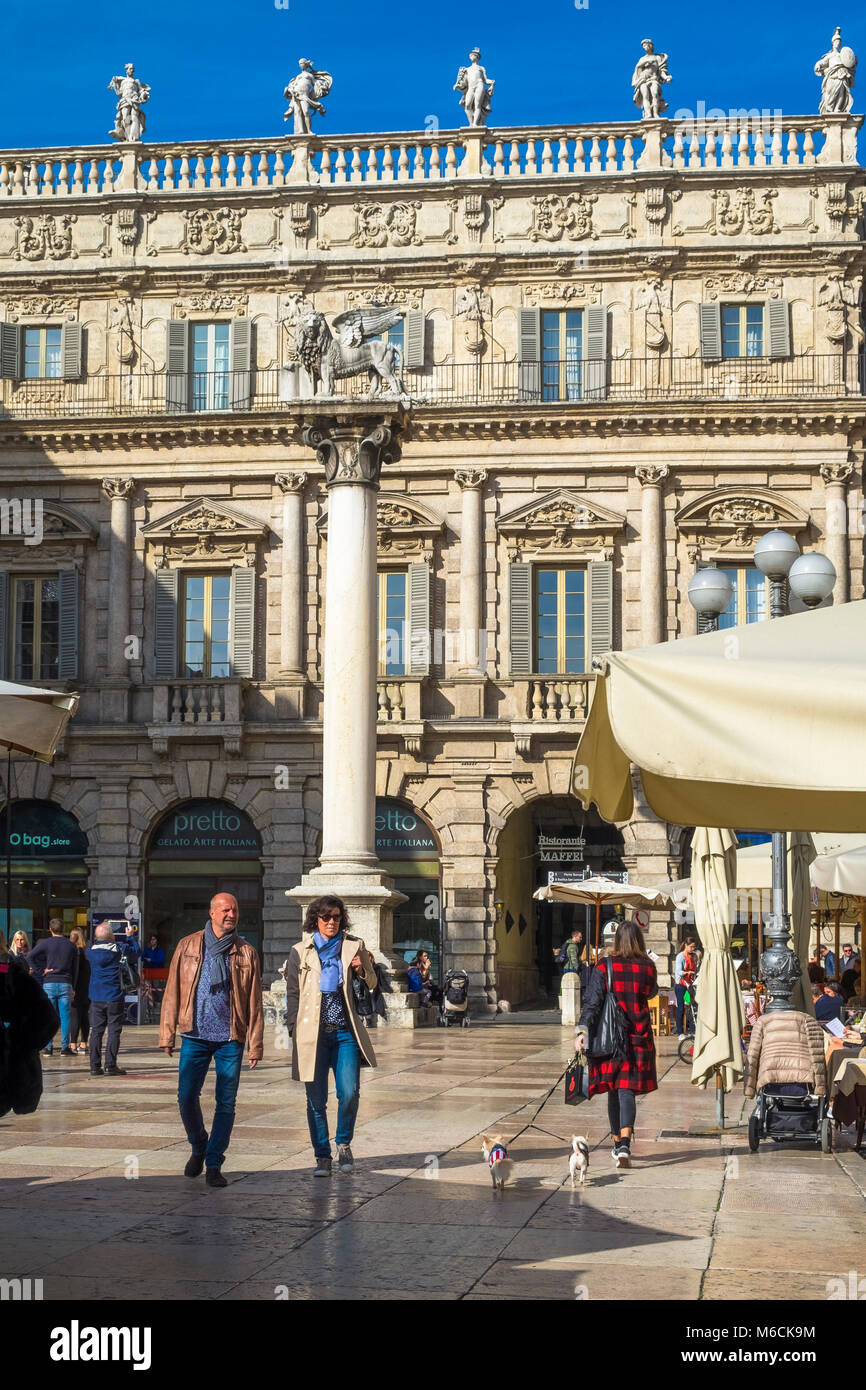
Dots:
{"x": 693, "y": 1218}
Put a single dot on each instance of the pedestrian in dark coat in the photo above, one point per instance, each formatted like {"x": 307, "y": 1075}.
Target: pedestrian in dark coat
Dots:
{"x": 27, "y": 1022}
{"x": 634, "y": 983}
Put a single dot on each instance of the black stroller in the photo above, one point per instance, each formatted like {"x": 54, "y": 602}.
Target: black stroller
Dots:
{"x": 790, "y": 1112}
{"x": 455, "y": 1000}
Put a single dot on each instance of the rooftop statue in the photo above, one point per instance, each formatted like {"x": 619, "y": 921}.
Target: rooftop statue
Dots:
{"x": 131, "y": 96}
{"x": 648, "y": 78}
{"x": 477, "y": 89}
{"x": 304, "y": 94}
{"x": 328, "y": 359}
{"x": 837, "y": 69}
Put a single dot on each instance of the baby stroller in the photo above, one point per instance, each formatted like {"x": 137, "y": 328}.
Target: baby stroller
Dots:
{"x": 455, "y": 1000}
{"x": 789, "y": 1112}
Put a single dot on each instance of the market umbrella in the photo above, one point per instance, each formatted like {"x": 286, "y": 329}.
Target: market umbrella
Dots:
{"x": 598, "y": 890}
{"x": 762, "y": 725}
{"x": 720, "y": 1020}
{"x": 841, "y": 871}
{"x": 31, "y": 721}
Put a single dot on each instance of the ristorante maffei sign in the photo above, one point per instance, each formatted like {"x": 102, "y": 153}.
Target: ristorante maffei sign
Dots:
{"x": 561, "y": 849}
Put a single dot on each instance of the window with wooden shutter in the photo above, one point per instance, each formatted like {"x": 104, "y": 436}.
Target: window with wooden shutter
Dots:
{"x": 414, "y": 339}
{"x": 67, "y": 665}
{"x": 559, "y": 631}
{"x": 419, "y": 620}
{"x": 520, "y": 618}
{"x": 241, "y": 363}
{"x": 710, "y": 322}
{"x": 595, "y": 352}
{"x": 71, "y": 357}
{"x": 243, "y": 604}
{"x": 165, "y": 624}
{"x": 176, "y": 366}
{"x": 529, "y": 354}
{"x": 392, "y": 605}
{"x": 779, "y": 327}
{"x": 600, "y": 608}
{"x": 10, "y": 351}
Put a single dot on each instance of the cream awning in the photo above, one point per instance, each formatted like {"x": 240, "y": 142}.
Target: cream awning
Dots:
{"x": 32, "y": 720}
{"x": 761, "y": 726}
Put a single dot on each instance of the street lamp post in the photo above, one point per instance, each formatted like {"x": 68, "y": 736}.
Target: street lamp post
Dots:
{"x": 810, "y": 578}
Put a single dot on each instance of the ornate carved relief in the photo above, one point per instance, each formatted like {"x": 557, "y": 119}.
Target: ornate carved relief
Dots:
{"x": 118, "y": 487}
{"x": 742, "y": 282}
{"x": 841, "y": 301}
{"x": 555, "y": 216}
{"x": 382, "y": 293}
{"x": 472, "y": 307}
{"x": 211, "y": 302}
{"x": 560, "y": 522}
{"x": 655, "y": 208}
{"x": 743, "y": 211}
{"x": 655, "y": 300}
{"x": 36, "y": 306}
{"x": 204, "y": 530}
{"x": 588, "y": 291}
{"x": 730, "y": 520}
{"x": 839, "y": 472}
{"x": 404, "y": 528}
{"x": 213, "y": 231}
{"x": 377, "y": 224}
{"x": 45, "y": 238}
{"x": 474, "y": 215}
{"x": 127, "y": 224}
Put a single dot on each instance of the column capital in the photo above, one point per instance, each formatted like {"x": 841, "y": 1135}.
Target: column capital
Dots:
{"x": 651, "y": 474}
{"x": 118, "y": 487}
{"x": 838, "y": 472}
{"x": 352, "y": 450}
{"x": 291, "y": 482}
{"x": 470, "y": 478}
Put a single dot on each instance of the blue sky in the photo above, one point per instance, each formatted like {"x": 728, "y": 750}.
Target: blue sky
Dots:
{"x": 218, "y": 68}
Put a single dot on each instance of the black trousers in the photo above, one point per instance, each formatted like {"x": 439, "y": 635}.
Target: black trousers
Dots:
{"x": 621, "y": 1110}
{"x": 102, "y": 1015}
{"x": 79, "y": 1023}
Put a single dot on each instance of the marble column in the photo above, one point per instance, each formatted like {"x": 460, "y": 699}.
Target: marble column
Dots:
{"x": 652, "y": 553}
{"x": 836, "y": 476}
{"x": 292, "y": 653}
{"x": 352, "y": 450}
{"x": 114, "y": 688}
{"x": 472, "y": 655}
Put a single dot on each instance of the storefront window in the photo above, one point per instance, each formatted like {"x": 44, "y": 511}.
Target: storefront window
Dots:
{"x": 408, "y": 851}
{"x": 49, "y": 875}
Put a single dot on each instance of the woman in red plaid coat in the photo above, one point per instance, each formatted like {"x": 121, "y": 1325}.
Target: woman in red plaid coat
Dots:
{"x": 634, "y": 984}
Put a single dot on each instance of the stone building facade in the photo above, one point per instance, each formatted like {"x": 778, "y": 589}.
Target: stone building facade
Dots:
{"x": 628, "y": 350}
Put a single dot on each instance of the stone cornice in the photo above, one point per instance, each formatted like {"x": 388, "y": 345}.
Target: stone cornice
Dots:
{"x": 452, "y": 425}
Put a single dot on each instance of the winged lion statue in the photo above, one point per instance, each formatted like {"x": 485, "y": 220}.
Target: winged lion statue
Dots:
{"x": 355, "y": 349}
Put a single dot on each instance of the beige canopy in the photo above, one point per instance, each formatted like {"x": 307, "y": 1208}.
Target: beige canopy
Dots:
{"x": 761, "y": 726}
{"x": 841, "y": 870}
{"x": 597, "y": 890}
{"x": 32, "y": 720}
{"x": 718, "y": 1051}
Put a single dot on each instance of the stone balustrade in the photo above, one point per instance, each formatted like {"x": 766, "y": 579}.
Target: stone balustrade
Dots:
{"x": 743, "y": 140}
{"x": 399, "y": 699}
{"x": 556, "y": 701}
{"x": 197, "y": 702}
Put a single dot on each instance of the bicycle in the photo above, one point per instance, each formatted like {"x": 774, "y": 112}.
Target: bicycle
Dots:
{"x": 686, "y": 1048}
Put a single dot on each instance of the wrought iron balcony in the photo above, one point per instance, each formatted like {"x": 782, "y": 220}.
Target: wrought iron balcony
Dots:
{"x": 623, "y": 380}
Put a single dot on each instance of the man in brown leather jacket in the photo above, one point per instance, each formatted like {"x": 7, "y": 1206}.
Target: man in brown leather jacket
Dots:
{"x": 214, "y": 997}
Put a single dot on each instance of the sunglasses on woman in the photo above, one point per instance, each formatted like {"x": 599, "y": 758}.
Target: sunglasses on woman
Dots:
{"x": 330, "y": 916}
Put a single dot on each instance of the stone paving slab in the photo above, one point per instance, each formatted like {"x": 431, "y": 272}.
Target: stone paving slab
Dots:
{"x": 390, "y": 1230}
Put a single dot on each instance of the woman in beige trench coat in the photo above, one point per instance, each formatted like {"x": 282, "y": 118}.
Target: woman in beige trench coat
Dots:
{"x": 322, "y": 1018}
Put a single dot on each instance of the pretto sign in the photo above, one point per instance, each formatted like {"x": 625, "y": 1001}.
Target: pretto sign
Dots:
{"x": 401, "y": 833}
{"x": 205, "y": 830}
{"x": 41, "y": 830}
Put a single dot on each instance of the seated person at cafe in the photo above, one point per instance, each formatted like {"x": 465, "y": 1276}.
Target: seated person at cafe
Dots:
{"x": 827, "y": 1004}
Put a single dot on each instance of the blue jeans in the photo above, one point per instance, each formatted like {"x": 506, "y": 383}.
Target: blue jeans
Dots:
{"x": 337, "y": 1052}
{"x": 195, "y": 1057}
{"x": 61, "y": 998}
{"x": 681, "y": 1006}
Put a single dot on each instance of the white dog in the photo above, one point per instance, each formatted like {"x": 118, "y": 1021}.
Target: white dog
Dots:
{"x": 579, "y": 1160}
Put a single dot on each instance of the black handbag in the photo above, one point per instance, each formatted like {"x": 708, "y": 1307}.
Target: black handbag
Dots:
{"x": 364, "y": 1006}
{"x": 576, "y": 1080}
{"x": 609, "y": 1042}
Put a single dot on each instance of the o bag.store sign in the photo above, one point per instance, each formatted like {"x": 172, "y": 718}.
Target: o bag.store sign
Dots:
{"x": 205, "y": 830}
{"x": 41, "y": 830}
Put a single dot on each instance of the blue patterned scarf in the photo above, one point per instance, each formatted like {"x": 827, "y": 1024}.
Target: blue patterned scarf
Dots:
{"x": 218, "y": 947}
{"x": 332, "y": 965}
